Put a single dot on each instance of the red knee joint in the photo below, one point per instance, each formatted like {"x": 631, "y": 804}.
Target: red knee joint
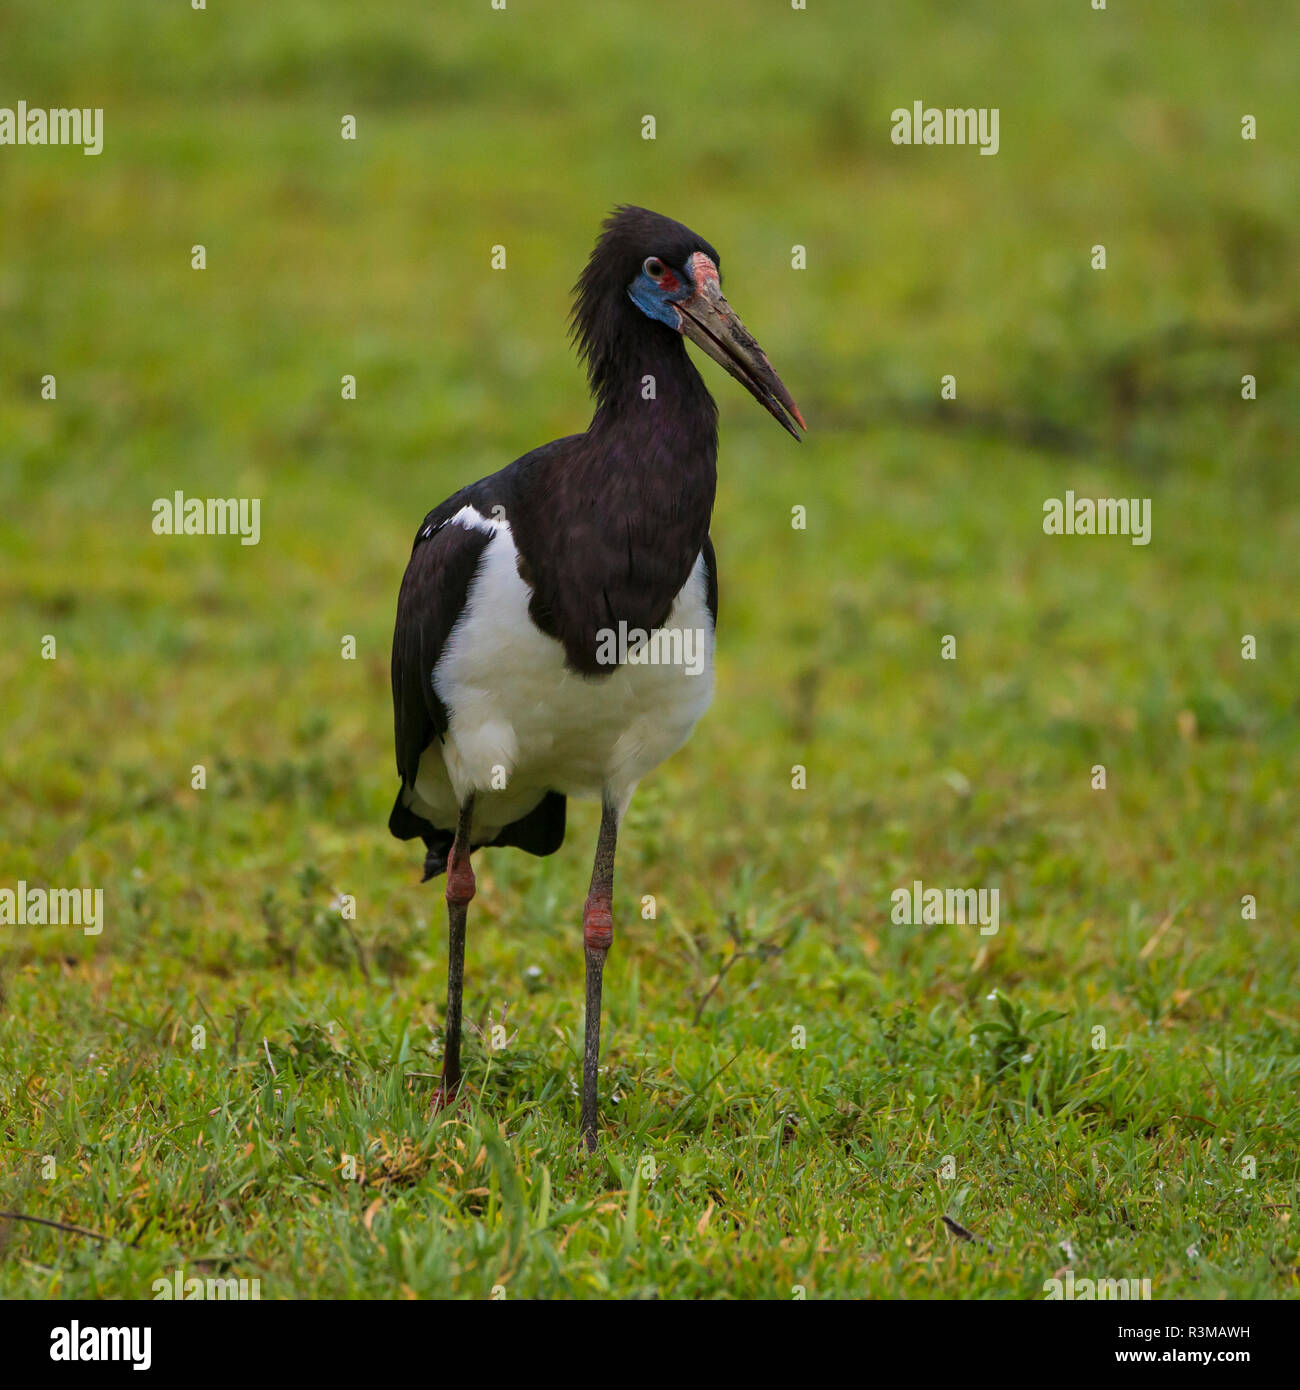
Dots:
{"x": 460, "y": 880}
{"x": 598, "y": 923}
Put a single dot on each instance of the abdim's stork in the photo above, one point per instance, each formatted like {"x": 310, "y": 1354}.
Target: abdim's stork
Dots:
{"x": 528, "y": 665}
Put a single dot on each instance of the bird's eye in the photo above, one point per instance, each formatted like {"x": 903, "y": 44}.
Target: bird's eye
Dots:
{"x": 654, "y": 267}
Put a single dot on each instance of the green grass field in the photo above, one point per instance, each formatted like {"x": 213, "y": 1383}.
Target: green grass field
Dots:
{"x": 944, "y": 1072}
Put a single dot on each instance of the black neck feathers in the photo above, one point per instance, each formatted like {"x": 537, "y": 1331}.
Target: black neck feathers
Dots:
{"x": 619, "y": 515}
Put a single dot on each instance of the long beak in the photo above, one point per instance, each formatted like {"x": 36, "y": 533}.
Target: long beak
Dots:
{"x": 711, "y": 323}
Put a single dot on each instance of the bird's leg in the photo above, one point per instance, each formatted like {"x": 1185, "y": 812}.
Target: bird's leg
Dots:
{"x": 597, "y": 934}
{"x": 460, "y": 892}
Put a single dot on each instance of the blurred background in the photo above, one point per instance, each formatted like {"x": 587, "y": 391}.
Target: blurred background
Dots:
{"x": 521, "y": 128}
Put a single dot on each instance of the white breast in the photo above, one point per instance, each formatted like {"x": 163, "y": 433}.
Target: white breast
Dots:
{"x": 521, "y": 724}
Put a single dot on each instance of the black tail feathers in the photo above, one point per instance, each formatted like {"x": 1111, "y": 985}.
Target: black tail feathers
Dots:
{"x": 540, "y": 832}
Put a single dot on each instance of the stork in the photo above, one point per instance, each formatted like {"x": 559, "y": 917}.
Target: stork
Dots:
{"x": 508, "y": 694}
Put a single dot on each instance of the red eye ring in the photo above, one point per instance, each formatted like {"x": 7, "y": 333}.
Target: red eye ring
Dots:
{"x": 654, "y": 268}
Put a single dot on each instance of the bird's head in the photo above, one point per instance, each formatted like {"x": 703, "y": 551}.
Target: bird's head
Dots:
{"x": 671, "y": 276}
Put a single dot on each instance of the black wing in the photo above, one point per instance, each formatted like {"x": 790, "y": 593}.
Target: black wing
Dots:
{"x": 444, "y": 560}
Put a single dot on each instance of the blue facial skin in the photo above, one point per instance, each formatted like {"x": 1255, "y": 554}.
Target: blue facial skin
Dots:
{"x": 654, "y": 302}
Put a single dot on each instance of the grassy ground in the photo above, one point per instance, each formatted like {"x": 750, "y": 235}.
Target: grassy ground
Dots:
{"x": 944, "y": 1073}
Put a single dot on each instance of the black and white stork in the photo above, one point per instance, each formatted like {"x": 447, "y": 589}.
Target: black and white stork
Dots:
{"x": 546, "y": 611}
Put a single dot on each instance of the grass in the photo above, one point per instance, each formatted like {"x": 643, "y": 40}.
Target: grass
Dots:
{"x": 942, "y": 1072}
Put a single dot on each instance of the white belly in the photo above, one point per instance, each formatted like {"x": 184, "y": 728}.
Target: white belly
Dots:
{"x": 522, "y": 724}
